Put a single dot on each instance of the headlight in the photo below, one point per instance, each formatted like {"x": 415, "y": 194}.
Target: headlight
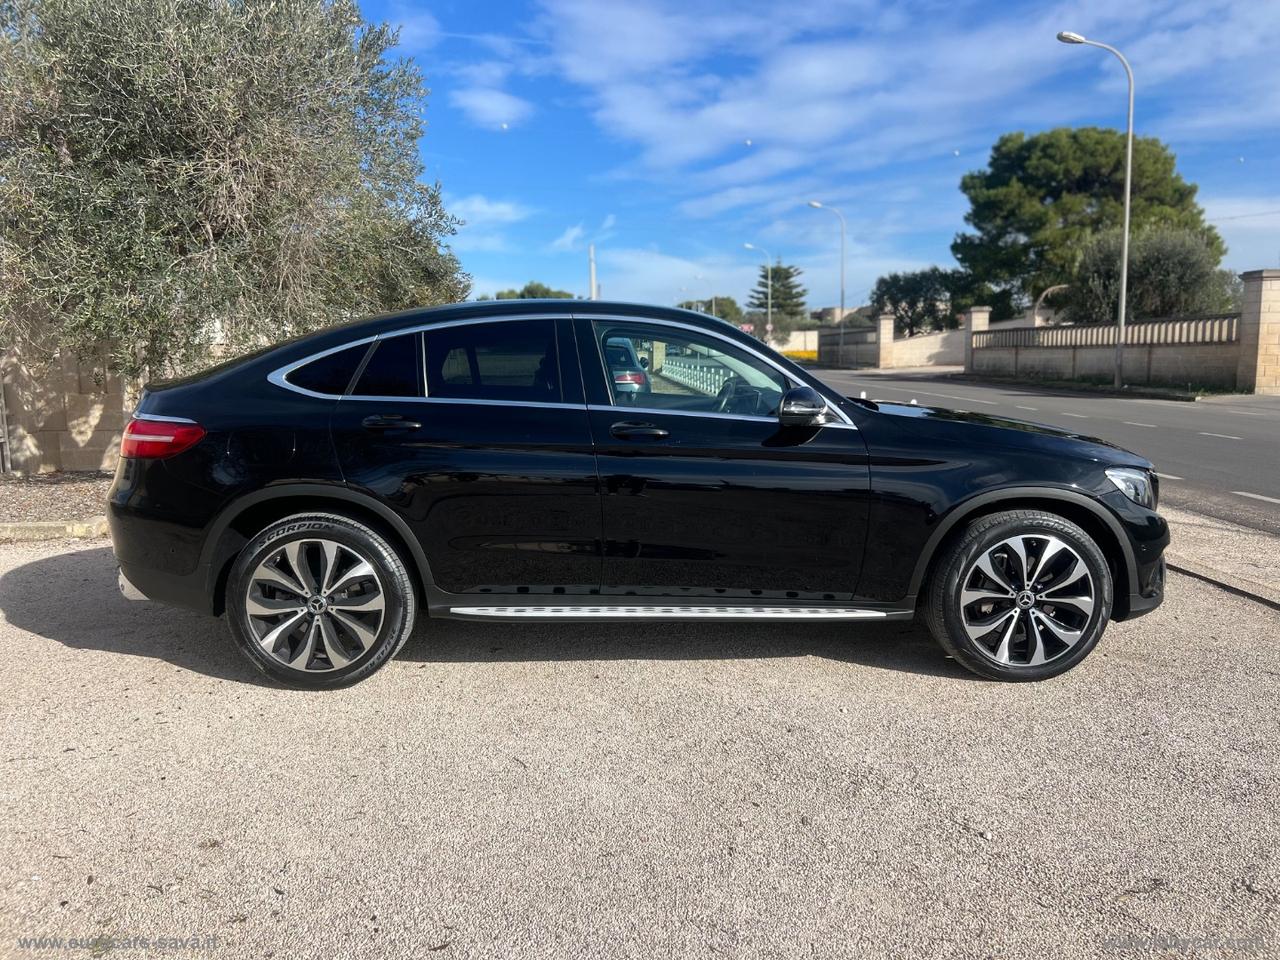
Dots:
{"x": 1135, "y": 484}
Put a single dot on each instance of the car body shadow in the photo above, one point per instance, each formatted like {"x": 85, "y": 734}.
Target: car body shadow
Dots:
{"x": 72, "y": 598}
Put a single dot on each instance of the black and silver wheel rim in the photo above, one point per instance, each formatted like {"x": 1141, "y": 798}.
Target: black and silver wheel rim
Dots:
{"x": 1028, "y": 600}
{"x": 315, "y": 605}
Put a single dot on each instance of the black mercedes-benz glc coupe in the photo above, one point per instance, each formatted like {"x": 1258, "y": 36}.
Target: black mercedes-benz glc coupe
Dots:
{"x": 483, "y": 461}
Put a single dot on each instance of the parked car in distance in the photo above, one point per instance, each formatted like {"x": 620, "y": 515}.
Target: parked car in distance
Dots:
{"x": 482, "y": 461}
{"x": 625, "y": 368}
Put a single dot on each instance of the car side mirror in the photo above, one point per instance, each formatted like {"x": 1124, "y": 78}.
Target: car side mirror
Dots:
{"x": 801, "y": 407}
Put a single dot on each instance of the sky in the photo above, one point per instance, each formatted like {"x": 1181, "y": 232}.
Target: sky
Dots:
{"x": 671, "y": 132}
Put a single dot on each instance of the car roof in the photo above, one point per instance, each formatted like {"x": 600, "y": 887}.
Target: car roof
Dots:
{"x": 449, "y": 313}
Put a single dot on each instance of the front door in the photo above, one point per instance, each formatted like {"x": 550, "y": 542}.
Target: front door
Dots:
{"x": 705, "y": 494}
{"x": 476, "y": 434}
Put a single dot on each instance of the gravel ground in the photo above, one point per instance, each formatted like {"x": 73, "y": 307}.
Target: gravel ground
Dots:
{"x": 634, "y": 790}
{"x": 53, "y": 496}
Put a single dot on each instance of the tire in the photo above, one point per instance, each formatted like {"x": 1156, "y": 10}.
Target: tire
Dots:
{"x": 349, "y": 610}
{"x": 1034, "y": 633}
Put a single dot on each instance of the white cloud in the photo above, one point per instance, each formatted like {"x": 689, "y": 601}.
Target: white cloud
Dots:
{"x": 419, "y": 30}
{"x": 483, "y": 219}
{"x": 490, "y": 107}
{"x": 570, "y": 239}
{"x": 1250, "y": 227}
{"x": 478, "y": 210}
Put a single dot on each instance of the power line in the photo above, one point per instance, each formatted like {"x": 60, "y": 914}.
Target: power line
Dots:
{"x": 1243, "y": 216}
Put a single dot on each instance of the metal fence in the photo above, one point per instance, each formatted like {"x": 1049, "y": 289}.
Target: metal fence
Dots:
{"x": 703, "y": 375}
{"x": 1216, "y": 328}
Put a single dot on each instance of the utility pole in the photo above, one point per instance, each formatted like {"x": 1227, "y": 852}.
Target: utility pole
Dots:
{"x": 768, "y": 281}
{"x": 593, "y": 291}
{"x": 1067, "y": 36}
{"x": 818, "y": 205}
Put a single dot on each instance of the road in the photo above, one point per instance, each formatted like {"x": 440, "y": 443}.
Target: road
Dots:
{"x": 633, "y": 790}
{"x": 1219, "y": 456}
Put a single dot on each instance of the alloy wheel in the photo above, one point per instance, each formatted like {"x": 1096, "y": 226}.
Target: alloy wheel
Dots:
{"x": 1027, "y": 600}
{"x": 315, "y": 605}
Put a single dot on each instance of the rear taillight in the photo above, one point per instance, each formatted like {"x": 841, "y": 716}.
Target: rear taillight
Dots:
{"x": 629, "y": 377}
{"x": 153, "y": 439}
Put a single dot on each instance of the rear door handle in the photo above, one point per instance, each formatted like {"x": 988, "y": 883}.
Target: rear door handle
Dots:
{"x": 627, "y": 430}
{"x": 389, "y": 422}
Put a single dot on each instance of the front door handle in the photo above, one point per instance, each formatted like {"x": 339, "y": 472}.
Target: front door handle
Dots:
{"x": 389, "y": 422}
{"x": 628, "y": 430}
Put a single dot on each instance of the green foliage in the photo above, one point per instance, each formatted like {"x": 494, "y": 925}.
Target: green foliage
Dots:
{"x": 533, "y": 290}
{"x": 1042, "y": 197}
{"x": 173, "y": 169}
{"x": 923, "y": 300}
{"x": 788, "y": 298}
{"x": 1172, "y": 273}
{"x": 726, "y": 308}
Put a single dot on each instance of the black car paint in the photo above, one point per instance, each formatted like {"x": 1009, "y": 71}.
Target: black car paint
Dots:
{"x": 514, "y": 500}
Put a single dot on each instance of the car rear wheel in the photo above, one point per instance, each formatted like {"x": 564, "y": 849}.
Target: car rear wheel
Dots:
{"x": 1020, "y": 595}
{"x": 319, "y": 601}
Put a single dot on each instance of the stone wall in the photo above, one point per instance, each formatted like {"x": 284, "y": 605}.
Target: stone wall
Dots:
{"x": 62, "y": 413}
{"x": 945, "y": 348}
{"x": 1229, "y": 352}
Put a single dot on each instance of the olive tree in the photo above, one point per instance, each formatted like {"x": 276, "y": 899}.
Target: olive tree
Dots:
{"x": 172, "y": 171}
{"x": 1172, "y": 273}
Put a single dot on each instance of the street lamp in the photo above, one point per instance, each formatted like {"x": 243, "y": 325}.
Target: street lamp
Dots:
{"x": 710, "y": 286}
{"x": 768, "y": 281}
{"x": 817, "y": 205}
{"x": 1066, "y": 36}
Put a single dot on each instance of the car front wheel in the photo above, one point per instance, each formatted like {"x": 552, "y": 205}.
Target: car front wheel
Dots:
{"x": 1020, "y": 595}
{"x": 319, "y": 601}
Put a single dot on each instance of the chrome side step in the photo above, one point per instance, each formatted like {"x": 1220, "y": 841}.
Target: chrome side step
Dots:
{"x": 666, "y": 612}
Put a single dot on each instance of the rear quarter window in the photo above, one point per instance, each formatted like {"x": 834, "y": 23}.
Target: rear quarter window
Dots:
{"x": 330, "y": 374}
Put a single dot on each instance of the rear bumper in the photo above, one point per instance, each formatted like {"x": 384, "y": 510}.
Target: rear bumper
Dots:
{"x": 180, "y": 590}
{"x": 128, "y": 590}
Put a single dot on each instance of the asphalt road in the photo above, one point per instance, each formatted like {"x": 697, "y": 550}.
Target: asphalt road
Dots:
{"x": 633, "y": 790}
{"x": 1219, "y": 456}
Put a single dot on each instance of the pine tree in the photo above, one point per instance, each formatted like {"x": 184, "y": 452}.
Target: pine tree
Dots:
{"x": 788, "y": 297}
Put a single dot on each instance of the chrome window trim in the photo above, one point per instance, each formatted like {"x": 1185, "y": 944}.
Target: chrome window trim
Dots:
{"x": 279, "y": 375}
{"x": 786, "y": 375}
{"x": 661, "y": 411}
{"x": 477, "y": 401}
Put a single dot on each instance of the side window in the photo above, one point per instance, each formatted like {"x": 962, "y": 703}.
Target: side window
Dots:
{"x": 394, "y": 370}
{"x": 512, "y": 360}
{"x": 670, "y": 369}
{"x": 331, "y": 373}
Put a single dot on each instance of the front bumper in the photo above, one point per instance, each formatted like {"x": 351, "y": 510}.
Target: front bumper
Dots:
{"x": 1151, "y": 590}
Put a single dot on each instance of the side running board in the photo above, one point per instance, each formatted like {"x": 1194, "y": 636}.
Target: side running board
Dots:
{"x": 672, "y": 612}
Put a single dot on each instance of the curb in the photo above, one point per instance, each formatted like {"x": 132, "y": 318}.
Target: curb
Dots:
{"x": 27, "y": 531}
{"x": 1232, "y": 583}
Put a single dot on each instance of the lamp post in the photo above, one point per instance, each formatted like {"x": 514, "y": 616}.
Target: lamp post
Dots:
{"x": 710, "y": 286}
{"x": 818, "y": 205}
{"x": 768, "y": 280}
{"x": 1066, "y": 36}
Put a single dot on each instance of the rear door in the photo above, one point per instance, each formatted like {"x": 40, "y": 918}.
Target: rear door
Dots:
{"x": 476, "y": 433}
{"x": 704, "y": 493}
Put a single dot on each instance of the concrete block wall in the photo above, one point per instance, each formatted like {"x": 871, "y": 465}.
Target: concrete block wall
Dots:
{"x": 1258, "y": 368}
{"x": 945, "y": 348}
{"x": 62, "y": 413}
{"x": 1250, "y": 362}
